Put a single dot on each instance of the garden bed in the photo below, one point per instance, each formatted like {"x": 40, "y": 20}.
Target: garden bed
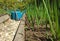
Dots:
{"x": 46, "y": 14}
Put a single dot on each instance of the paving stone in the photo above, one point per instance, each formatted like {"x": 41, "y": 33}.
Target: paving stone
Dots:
{"x": 20, "y": 33}
{"x": 8, "y": 29}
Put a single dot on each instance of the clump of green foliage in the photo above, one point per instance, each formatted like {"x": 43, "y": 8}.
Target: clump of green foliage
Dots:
{"x": 7, "y": 5}
{"x": 48, "y": 11}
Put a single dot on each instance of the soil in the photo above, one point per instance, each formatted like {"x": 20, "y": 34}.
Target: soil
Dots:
{"x": 37, "y": 34}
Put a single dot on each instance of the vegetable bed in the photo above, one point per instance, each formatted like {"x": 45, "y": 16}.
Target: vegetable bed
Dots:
{"x": 42, "y": 22}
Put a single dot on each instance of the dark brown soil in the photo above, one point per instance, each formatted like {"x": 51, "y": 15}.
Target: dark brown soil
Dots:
{"x": 38, "y": 34}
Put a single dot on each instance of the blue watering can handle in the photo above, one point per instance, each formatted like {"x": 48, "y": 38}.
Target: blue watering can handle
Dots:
{"x": 24, "y": 12}
{"x": 16, "y": 16}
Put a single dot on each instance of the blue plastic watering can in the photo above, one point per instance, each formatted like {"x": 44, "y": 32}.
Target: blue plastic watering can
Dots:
{"x": 17, "y": 15}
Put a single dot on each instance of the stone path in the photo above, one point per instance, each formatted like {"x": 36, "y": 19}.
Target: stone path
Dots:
{"x": 8, "y": 29}
{"x": 4, "y": 18}
{"x": 20, "y": 33}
